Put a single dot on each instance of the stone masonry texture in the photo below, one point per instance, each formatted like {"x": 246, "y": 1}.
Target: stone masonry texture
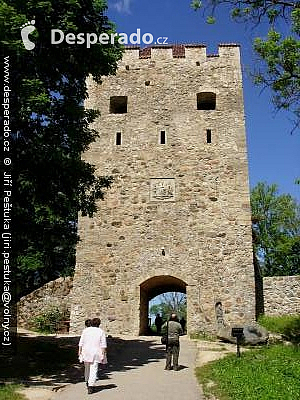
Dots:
{"x": 177, "y": 216}
{"x": 53, "y": 295}
{"x": 282, "y": 295}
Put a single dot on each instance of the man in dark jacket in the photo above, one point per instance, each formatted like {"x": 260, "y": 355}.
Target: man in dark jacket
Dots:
{"x": 158, "y": 323}
{"x": 174, "y": 330}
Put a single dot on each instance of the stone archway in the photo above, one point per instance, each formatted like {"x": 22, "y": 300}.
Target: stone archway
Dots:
{"x": 153, "y": 287}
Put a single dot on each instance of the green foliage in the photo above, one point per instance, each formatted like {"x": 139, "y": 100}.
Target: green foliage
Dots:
{"x": 203, "y": 336}
{"x": 9, "y": 392}
{"x": 30, "y": 261}
{"x": 286, "y": 325}
{"x": 196, "y": 4}
{"x": 211, "y": 20}
{"x": 50, "y": 321}
{"x": 269, "y": 373}
{"x": 50, "y": 128}
{"x": 282, "y": 69}
{"x": 276, "y": 230}
{"x": 169, "y": 302}
{"x": 279, "y": 53}
{"x": 165, "y": 310}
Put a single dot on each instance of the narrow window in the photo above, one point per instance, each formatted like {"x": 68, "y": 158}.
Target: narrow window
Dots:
{"x": 219, "y": 313}
{"x": 162, "y": 137}
{"x": 118, "y": 105}
{"x": 208, "y": 136}
{"x": 118, "y": 138}
{"x": 206, "y": 101}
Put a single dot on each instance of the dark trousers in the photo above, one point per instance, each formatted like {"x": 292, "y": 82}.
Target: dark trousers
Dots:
{"x": 172, "y": 349}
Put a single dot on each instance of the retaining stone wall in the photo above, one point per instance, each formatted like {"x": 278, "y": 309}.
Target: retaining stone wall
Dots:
{"x": 282, "y": 295}
{"x": 54, "y": 294}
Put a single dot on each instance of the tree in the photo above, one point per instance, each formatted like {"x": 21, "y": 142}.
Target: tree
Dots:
{"x": 279, "y": 52}
{"x": 169, "y": 302}
{"x": 50, "y": 130}
{"x": 276, "y": 228}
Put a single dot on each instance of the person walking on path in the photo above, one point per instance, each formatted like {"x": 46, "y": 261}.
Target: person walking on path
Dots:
{"x": 136, "y": 372}
{"x": 88, "y": 323}
{"x": 173, "y": 330}
{"x": 92, "y": 351}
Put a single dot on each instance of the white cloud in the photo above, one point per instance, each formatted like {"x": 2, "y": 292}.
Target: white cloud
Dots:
{"x": 123, "y": 6}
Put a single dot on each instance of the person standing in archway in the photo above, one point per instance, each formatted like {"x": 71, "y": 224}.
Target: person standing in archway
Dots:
{"x": 182, "y": 323}
{"x": 158, "y": 323}
{"x": 173, "y": 330}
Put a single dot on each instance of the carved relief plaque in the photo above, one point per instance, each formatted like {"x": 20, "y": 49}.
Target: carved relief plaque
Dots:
{"x": 162, "y": 189}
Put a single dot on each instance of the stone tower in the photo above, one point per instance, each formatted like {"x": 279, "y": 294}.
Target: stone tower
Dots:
{"x": 177, "y": 217}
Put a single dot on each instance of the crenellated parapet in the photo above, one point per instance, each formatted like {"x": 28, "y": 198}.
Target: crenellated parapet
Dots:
{"x": 177, "y": 51}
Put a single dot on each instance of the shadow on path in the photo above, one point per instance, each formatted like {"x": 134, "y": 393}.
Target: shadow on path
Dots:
{"x": 53, "y": 361}
{"x": 124, "y": 355}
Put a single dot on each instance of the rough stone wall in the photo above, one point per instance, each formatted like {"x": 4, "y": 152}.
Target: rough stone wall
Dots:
{"x": 54, "y": 294}
{"x": 282, "y": 295}
{"x": 187, "y": 196}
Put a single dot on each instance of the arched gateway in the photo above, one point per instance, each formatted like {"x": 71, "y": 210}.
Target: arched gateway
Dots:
{"x": 153, "y": 287}
{"x": 177, "y": 216}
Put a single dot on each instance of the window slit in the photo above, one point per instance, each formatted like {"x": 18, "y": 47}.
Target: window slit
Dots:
{"x": 162, "y": 137}
{"x": 208, "y": 136}
{"x": 118, "y": 138}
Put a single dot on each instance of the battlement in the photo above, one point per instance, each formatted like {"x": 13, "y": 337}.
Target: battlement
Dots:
{"x": 187, "y": 51}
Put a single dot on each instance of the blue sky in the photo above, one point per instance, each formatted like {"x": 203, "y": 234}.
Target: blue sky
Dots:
{"x": 273, "y": 153}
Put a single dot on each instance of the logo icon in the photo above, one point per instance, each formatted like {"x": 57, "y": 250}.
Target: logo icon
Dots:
{"x": 26, "y": 30}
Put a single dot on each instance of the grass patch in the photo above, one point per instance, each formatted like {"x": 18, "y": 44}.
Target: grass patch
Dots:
{"x": 203, "y": 336}
{"x": 8, "y": 392}
{"x": 270, "y": 373}
{"x": 286, "y": 325}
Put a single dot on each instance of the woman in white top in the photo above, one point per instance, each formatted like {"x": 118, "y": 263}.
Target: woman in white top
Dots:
{"x": 92, "y": 351}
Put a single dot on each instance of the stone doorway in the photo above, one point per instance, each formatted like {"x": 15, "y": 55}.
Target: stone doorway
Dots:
{"x": 153, "y": 287}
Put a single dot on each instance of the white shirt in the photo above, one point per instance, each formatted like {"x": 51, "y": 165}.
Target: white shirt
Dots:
{"x": 93, "y": 343}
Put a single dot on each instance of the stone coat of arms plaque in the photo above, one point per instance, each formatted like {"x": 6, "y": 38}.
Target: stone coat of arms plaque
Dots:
{"x": 162, "y": 189}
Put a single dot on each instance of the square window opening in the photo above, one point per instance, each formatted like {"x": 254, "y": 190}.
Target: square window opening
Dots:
{"x": 206, "y": 101}
{"x": 118, "y": 105}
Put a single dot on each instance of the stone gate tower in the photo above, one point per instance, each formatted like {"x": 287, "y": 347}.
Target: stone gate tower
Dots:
{"x": 177, "y": 217}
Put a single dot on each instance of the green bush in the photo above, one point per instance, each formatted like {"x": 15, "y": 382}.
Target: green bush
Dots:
{"x": 286, "y": 325}
{"x": 50, "y": 321}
